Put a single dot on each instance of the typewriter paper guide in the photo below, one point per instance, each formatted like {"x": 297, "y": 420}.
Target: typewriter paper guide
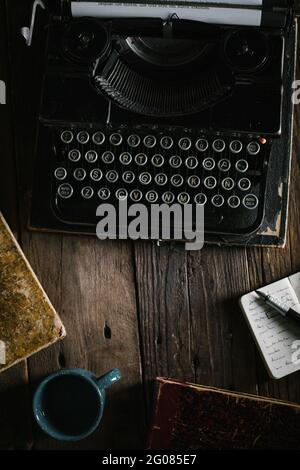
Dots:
{"x": 236, "y": 13}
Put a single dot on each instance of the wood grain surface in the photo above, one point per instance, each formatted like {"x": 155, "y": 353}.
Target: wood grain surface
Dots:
{"x": 149, "y": 311}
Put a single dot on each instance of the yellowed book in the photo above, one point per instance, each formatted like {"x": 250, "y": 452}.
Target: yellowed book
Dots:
{"x": 28, "y": 321}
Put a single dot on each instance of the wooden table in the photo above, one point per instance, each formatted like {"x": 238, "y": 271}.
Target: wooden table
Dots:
{"x": 149, "y": 311}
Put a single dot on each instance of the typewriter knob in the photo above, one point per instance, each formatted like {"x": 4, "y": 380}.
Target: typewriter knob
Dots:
{"x": 246, "y": 50}
{"x": 86, "y": 40}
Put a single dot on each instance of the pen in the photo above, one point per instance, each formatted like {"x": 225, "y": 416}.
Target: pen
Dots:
{"x": 279, "y": 306}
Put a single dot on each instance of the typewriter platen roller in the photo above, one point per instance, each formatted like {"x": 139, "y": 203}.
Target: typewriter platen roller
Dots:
{"x": 159, "y": 111}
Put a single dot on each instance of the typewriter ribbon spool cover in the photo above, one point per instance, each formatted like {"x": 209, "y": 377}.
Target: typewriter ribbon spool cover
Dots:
{"x": 172, "y": 104}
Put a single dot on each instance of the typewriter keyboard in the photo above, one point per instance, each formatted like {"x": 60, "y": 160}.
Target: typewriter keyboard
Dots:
{"x": 223, "y": 172}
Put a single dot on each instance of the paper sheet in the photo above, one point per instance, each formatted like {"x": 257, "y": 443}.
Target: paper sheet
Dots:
{"x": 165, "y": 10}
{"x": 277, "y": 337}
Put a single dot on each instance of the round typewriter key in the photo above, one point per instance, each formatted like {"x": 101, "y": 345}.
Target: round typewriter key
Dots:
{"x": 219, "y": 145}
{"x": 136, "y": 195}
{"x": 145, "y": 178}
{"x": 185, "y": 143}
{"x": 98, "y": 138}
{"x": 65, "y": 191}
{"x": 161, "y": 179}
{"x": 224, "y": 165}
{"x": 133, "y": 141}
{"x": 202, "y": 145}
{"x": 108, "y": 157}
{"x": 121, "y": 194}
{"x": 157, "y": 160}
{"x": 175, "y": 162}
{"x": 60, "y": 173}
{"x": 253, "y": 148}
{"x": 194, "y": 181}
{"x": 166, "y": 142}
{"x": 141, "y": 159}
{"x": 79, "y": 174}
{"x": 168, "y": 197}
{"x": 112, "y": 176}
{"x": 218, "y": 200}
{"x": 177, "y": 181}
{"x": 242, "y": 166}
{"x": 116, "y": 139}
{"x": 200, "y": 199}
{"x": 149, "y": 141}
{"x": 66, "y": 137}
{"x": 183, "y": 198}
{"x": 210, "y": 182}
{"x": 228, "y": 184}
{"x": 125, "y": 158}
{"x": 74, "y": 155}
{"x": 236, "y": 146}
{"x": 234, "y": 202}
{"x": 250, "y": 201}
{"x": 244, "y": 184}
{"x": 152, "y": 196}
{"x": 87, "y": 192}
{"x": 128, "y": 177}
{"x": 104, "y": 194}
{"x": 209, "y": 164}
{"x": 191, "y": 163}
{"x": 83, "y": 137}
{"x": 96, "y": 174}
{"x": 91, "y": 156}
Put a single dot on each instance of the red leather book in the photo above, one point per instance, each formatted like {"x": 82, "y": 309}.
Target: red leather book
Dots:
{"x": 188, "y": 417}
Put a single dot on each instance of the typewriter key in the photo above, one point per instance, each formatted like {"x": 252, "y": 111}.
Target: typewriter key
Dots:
{"x": 108, "y": 157}
{"x": 149, "y": 141}
{"x": 161, "y": 179}
{"x": 236, "y": 146}
{"x": 234, "y": 202}
{"x": 209, "y": 164}
{"x": 200, "y": 199}
{"x": 253, "y": 148}
{"x": 202, "y": 145}
{"x": 177, "y": 181}
{"x": 96, "y": 174}
{"x": 79, "y": 174}
{"x": 183, "y": 198}
{"x": 168, "y": 197}
{"x": 218, "y": 200}
{"x": 133, "y": 141}
{"x": 152, "y": 196}
{"x": 194, "y": 181}
{"x": 121, "y": 194}
{"x": 224, "y": 165}
{"x": 228, "y": 184}
{"x": 98, "y": 138}
{"x": 166, "y": 142}
{"x": 191, "y": 163}
{"x": 244, "y": 184}
{"x": 128, "y": 177}
{"x": 74, "y": 155}
{"x": 66, "y": 137}
{"x": 210, "y": 182}
{"x": 125, "y": 158}
{"x": 141, "y": 159}
{"x": 219, "y": 145}
{"x": 104, "y": 194}
{"x": 157, "y": 161}
{"x": 250, "y": 201}
{"x": 60, "y": 173}
{"x": 116, "y": 139}
{"x": 112, "y": 176}
{"x": 87, "y": 192}
{"x": 175, "y": 161}
{"x": 83, "y": 137}
{"x": 242, "y": 166}
{"x": 136, "y": 195}
{"x": 91, "y": 156}
{"x": 145, "y": 178}
{"x": 185, "y": 143}
{"x": 65, "y": 191}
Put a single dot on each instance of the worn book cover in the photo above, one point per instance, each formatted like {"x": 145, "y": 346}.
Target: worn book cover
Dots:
{"x": 28, "y": 321}
{"x": 188, "y": 417}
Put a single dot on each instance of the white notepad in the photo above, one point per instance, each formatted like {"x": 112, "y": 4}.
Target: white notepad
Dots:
{"x": 277, "y": 337}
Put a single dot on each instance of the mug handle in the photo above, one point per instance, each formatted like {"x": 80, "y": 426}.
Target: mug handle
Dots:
{"x": 109, "y": 378}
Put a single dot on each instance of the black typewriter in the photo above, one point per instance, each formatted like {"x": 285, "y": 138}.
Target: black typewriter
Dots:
{"x": 162, "y": 111}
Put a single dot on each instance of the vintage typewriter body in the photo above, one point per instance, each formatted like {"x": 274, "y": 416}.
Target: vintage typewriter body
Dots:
{"x": 156, "y": 111}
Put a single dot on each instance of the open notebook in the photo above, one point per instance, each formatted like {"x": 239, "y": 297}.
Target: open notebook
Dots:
{"x": 277, "y": 337}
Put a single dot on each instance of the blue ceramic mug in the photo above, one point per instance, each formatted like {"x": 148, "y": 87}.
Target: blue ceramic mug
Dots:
{"x": 68, "y": 405}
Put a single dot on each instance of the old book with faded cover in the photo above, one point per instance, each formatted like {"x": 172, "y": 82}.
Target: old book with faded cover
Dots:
{"x": 28, "y": 321}
{"x": 188, "y": 417}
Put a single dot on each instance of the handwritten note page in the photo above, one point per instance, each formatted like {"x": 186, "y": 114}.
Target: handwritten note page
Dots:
{"x": 275, "y": 334}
